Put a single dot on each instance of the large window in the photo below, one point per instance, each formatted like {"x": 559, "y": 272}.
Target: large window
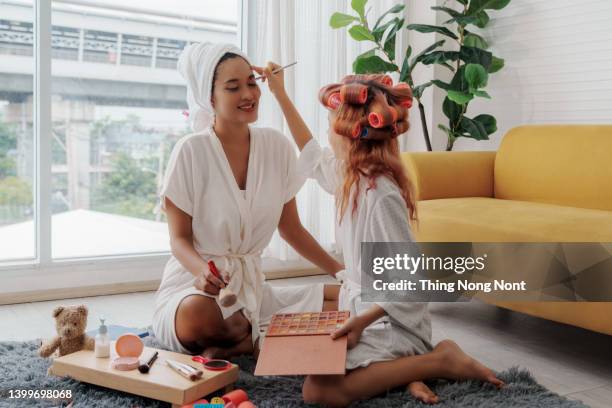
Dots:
{"x": 117, "y": 107}
{"x": 16, "y": 135}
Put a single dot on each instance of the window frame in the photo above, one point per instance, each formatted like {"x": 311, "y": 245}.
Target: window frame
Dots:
{"x": 44, "y": 277}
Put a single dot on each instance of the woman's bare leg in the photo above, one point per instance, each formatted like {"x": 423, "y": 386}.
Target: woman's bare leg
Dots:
{"x": 447, "y": 360}
{"x": 244, "y": 346}
{"x": 199, "y": 324}
{"x": 330, "y": 297}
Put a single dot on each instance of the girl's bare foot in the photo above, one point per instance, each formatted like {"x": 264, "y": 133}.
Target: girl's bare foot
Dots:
{"x": 420, "y": 391}
{"x": 460, "y": 366}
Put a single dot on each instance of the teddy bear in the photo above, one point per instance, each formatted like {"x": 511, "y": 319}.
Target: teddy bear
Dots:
{"x": 70, "y": 322}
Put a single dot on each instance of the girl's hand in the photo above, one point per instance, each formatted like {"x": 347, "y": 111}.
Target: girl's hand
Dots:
{"x": 209, "y": 283}
{"x": 276, "y": 81}
{"x": 353, "y": 327}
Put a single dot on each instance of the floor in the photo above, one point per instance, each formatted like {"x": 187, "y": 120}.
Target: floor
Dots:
{"x": 569, "y": 361}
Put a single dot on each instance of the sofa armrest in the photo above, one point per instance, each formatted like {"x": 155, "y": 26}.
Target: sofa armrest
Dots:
{"x": 451, "y": 174}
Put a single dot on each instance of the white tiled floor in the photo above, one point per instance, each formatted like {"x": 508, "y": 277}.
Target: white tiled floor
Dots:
{"x": 570, "y": 361}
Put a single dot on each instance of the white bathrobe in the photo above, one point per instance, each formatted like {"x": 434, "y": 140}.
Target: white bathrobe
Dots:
{"x": 381, "y": 216}
{"x": 231, "y": 226}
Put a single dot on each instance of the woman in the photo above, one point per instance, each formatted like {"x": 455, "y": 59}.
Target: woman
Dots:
{"x": 228, "y": 186}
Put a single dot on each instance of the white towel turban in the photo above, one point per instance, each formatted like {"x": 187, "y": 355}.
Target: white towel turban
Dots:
{"x": 197, "y": 65}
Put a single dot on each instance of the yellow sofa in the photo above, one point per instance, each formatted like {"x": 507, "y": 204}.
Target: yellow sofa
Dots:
{"x": 544, "y": 184}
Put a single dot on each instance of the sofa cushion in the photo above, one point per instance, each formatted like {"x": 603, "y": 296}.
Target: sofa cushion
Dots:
{"x": 556, "y": 164}
{"x": 481, "y": 219}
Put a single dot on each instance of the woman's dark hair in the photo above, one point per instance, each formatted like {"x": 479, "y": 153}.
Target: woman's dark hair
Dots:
{"x": 225, "y": 57}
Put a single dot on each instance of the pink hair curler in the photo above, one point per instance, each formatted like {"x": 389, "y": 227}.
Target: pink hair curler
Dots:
{"x": 334, "y": 100}
{"x": 386, "y": 80}
{"x": 354, "y": 93}
{"x": 381, "y": 113}
{"x": 347, "y": 128}
{"x": 382, "y": 117}
{"x": 247, "y": 404}
{"x": 329, "y": 96}
{"x": 406, "y": 103}
{"x": 236, "y": 397}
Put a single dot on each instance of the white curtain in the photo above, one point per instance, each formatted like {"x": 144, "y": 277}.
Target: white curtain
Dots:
{"x": 298, "y": 30}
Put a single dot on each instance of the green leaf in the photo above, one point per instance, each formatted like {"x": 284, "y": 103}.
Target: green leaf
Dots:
{"x": 359, "y": 7}
{"x": 425, "y": 28}
{"x": 406, "y": 68}
{"x": 339, "y": 20}
{"x": 441, "y": 84}
{"x": 488, "y": 122}
{"x": 452, "y": 111}
{"x": 458, "y": 97}
{"x": 464, "y": 2}
{"x": 437, "y": 57}
{"x": 445, "y": 130}
{"x": 451, "y": 12}
{"x": 417, "y": 91}
{"x": 476, "y": 76}
{"x": 462, "y": 20}
{"x": 366, "y": 54}
{"x": 360, "y": 33}
{"x": 459, "y": 83}
{"x": 482, "y": 19}
{"x": 390, "y": 47}
{"x": 474, "y": 40}
{"x": 425, "y": 51}
{"x": 476, "y": 6}
{"x": 482, "y": 94}
{"x": 393, "y": 10}
{"x": 389, "y": 40}
{"x": 373, "y": 65}
{"x": 496, "y": 65}
{"x": 473, "y": 55}
{"x": 379, "y": 32}
{"x": 473, "y": 129}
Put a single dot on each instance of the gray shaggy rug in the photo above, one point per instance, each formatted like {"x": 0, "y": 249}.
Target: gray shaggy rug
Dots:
{"x": 21, "y": 368}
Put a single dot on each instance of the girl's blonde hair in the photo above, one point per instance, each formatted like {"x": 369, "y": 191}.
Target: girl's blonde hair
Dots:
{"x": 371, "y": 113}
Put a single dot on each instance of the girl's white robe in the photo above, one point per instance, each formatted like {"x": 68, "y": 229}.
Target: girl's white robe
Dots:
{"x": 381, "y": 216}
{"x": 232, "y": 226}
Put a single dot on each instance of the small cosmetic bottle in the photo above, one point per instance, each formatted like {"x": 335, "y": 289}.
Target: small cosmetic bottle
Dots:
{"x": 102, "y": 342}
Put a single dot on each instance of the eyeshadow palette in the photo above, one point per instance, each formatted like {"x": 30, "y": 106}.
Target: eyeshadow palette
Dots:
{"x": 300, "y": 344}
{"x": 304, "y": 324}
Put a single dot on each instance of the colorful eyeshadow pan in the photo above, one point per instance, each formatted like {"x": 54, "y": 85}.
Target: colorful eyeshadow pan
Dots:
{"x": 304, "y": 324}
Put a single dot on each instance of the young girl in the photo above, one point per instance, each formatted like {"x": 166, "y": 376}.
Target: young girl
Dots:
{"x": 389, "y": 343}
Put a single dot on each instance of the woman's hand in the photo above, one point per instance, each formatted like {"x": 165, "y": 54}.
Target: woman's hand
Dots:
{"x": 209, "y": 283}
{"x": 353, "y": 327}
{"x": 276, "y": 81}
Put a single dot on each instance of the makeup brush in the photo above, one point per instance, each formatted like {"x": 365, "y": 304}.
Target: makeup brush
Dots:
{"x": 277, "y": 70}
{"x": 227, "y": 298}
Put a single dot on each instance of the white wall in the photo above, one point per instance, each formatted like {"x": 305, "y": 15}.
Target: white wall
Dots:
{"x": 558, "y": 68}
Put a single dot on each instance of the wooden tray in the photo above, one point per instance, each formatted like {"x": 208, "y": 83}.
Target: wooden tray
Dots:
{"x": 161, "y": 383}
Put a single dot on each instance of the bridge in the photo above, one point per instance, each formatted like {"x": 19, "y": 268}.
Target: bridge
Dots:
{"x": 119, "y": 56}
{"x": 101, "y": 56}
